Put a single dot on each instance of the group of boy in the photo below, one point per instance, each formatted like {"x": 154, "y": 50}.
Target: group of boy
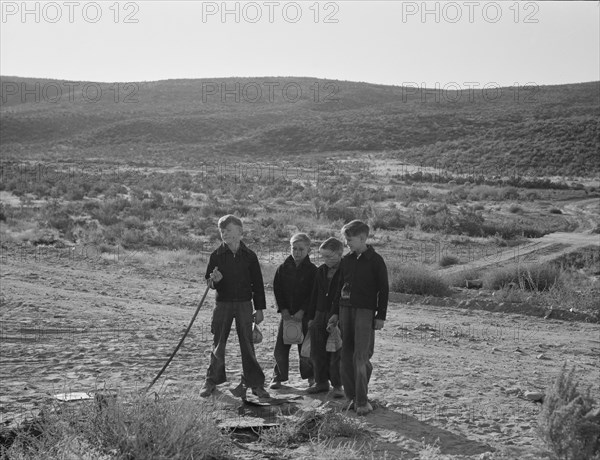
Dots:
{"x": 349, "y": 292}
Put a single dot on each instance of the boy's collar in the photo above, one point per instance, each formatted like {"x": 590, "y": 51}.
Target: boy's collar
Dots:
{"x": 368, "y": 253}
{"x": 224, "y": 248}
{"x": 290, "y": 259}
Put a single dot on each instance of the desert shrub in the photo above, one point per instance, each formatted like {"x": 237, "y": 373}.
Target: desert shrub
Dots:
{"x": 468, "y": 222}
{"x": 343, "y": 212}
{"x": 569, "y": 422}
{"x": 212, "y": 210}
{"x": 515, "y": 208}
{"x": 75, "y": 194}
{"x": 180, "y": 205}
{"x": 392, "y": 219}
{"x": 132, "y": 238}
{"x": 510, "y": 230}
{"x": 441, "y": 222}
{"x": 133, "y": 222}
{"x": 91, "y": 205}
{"x": 586, "y": 258}
{"x": 415, "y": 279}
{"x": 433, "y": 209}
{"x": 541, "y": 277}
{"x": 448, "y": 260}
{"x": 61, "y": 221}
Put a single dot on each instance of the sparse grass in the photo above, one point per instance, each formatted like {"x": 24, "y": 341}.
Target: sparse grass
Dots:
{"x": 137, "y": 429}
{"x": 567, "y": 422}
{"x": 540, "y": 277}
{"x": 332, "y": 450}
{"x": 459, "y": 279}
{"x": 415, "y": 279}
{"x": 575, "y": 292}
{"x": 431, "y": 451}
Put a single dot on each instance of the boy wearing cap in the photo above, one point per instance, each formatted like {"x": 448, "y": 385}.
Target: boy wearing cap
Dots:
{"x": 234, "y": 271}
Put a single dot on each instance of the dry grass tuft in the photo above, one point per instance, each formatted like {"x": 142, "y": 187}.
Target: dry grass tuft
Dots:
{"x": 137, "y": 429}
{"x": 415, "y": 279}
{"x": 321, "y": 424}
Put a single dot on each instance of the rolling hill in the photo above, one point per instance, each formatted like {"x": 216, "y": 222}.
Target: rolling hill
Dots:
{"x": 547, "y": 130}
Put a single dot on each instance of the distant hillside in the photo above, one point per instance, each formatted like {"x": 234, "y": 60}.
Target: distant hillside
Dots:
{"x": 552, "y": 130}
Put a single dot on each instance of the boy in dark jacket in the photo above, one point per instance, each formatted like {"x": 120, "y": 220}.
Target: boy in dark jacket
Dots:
{"x": 233, "y": 270}
{"x": 292, "y": 287}
{"x": 361, "y": 302}
{"x": 326, "y": 365}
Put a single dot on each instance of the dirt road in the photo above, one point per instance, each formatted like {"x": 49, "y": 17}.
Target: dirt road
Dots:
{"x": 549, "y": 247}
{"x": 440, "y": 373}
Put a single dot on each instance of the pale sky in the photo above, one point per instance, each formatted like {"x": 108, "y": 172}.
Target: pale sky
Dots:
{"x": 385, "y": 42}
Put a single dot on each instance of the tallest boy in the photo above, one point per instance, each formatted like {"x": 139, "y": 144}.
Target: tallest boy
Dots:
{"x": 233, "y": 270}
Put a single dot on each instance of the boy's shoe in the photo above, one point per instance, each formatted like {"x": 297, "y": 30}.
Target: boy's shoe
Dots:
{"x": 337, "y": 392}
{"x": 311, "y": 382}
{"x": 207, "y": 389}
{"x": 261, "y": 393}
{"x": 239, "y": 391}
{"x": 364, "y": 410}
{"x": 318, "y": 388}
{"x": 275, "y": 385}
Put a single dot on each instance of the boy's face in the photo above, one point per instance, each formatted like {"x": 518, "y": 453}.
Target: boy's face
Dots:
{"x": 356, "y": 243}
{"x": 331, "y": 258}
{"x": 299, "y": 250}
{"x": 231, "y": 234}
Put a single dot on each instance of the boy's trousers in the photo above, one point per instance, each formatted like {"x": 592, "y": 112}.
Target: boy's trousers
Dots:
{"x": 358, "y": 343}
{"x": 282, "y": 356}
{"x": 326, "y": 365}
{"x": 223, "y": 316}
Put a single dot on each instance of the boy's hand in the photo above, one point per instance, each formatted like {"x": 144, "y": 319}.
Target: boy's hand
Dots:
{"x": 258, "y": 316}
{"x": 286, "y": 314}
{"x": 378, "y": 324}
{"x": 299, "y": 315}
{"x": 333, "y": 321}
{"x": 216, "y": 275}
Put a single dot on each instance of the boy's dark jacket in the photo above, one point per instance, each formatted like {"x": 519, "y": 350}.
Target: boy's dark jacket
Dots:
{"x": 322, "y": 295}
{"x": 292, "y": 285}
{"x": 368, "y": 279}
{"x": 242, "y": 278}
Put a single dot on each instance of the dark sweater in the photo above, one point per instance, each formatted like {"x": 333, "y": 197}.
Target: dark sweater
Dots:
{"x": 323, "y": 292}
{"x": 292, "y": 285}
{"x": 242, "y": 278}
{"x": 368, "y": 280}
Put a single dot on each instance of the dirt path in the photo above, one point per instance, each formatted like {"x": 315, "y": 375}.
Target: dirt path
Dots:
{"x": 549, "y": 247}
{"x": 440, "y": 373}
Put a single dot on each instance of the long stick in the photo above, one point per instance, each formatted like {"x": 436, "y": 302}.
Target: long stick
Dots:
{"x": 181, "y": 341}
